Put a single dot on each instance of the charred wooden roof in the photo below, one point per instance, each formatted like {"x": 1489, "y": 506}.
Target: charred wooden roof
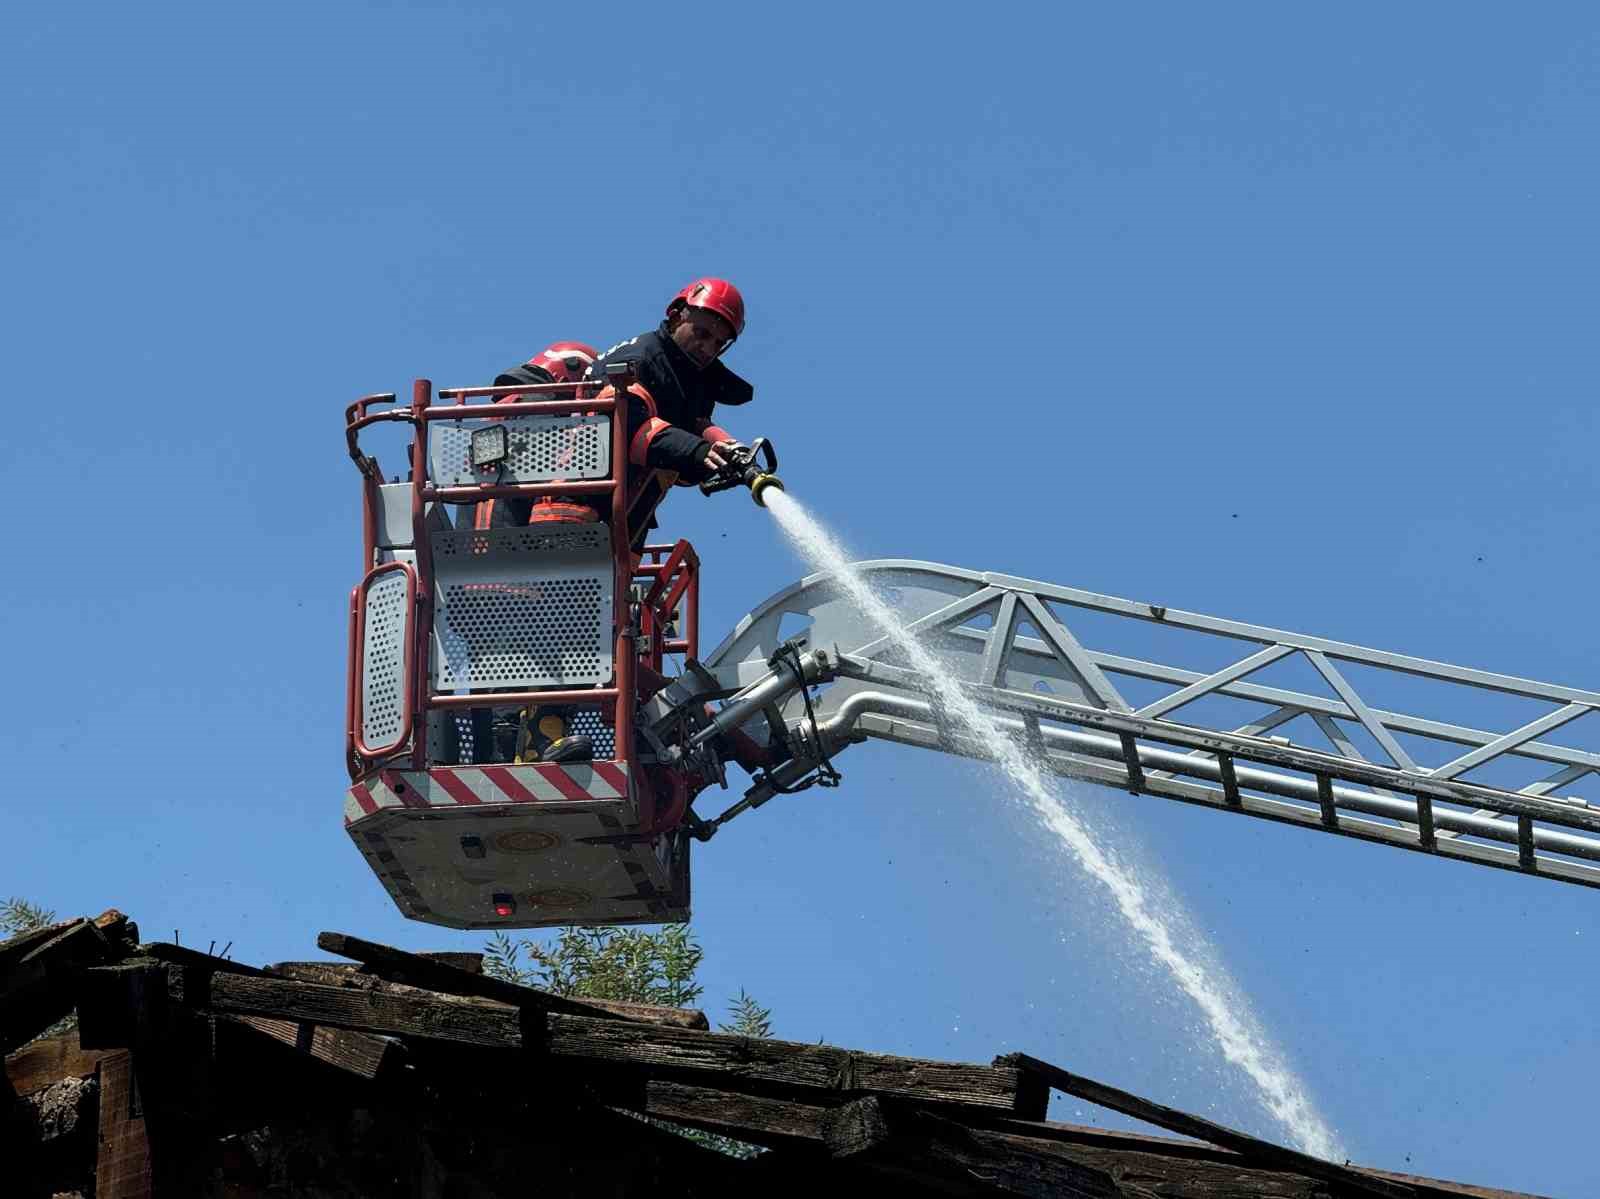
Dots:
{"x": 408, "y": 1074}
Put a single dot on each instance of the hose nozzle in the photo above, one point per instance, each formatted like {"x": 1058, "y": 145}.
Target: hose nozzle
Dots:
{"x": 754, "y": 466}
{"x": 760, "y": 484}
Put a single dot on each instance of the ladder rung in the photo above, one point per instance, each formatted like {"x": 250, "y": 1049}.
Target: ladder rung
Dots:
{"x": 1525, "y": 844}
{"x": 1330, "y": 814}
{"x": 1230, "y": 781}
{"x": 1130, "y": 755}
{"x": 1425, "y": 836}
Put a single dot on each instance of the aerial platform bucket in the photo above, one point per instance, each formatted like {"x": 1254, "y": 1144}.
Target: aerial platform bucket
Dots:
{"x": 458, "y": 845}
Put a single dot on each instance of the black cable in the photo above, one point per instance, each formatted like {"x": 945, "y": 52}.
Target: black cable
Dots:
{"x": 826, "y": 775}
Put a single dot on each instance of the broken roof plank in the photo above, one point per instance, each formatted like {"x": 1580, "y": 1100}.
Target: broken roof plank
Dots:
{"x": 1249, "y": 1147}
{"x": 441, "y": 1017}
{"x": 1186, "y": 1169}
{"x": 345, "y": 974}
{"x": 1121, "y": 1145}
{"x": 905, "y": 1142}
{"x": 14, "y": 949}
{"x": 358, "y": 1053}
{"x": 437, "y": 974}
{"x": 476, "y": 1021}
{"x": 1021, "y": 1166}
{"x": 760, "y": 1119}
{"x": 791, "y": 1064}
{"x": 182, "y": 955}
{"x": 37, "y": 977}
{"x": 48, "y": 1061}
{"x": 354, "y": 1053}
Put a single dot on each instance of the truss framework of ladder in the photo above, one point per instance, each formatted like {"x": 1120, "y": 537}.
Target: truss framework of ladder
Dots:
{"x": 1061, "y": 698}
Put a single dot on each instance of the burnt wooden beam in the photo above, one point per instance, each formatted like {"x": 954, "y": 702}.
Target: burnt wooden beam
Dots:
{"x": 1139, "y": 1145}
{"x": 788, "y": 1064}
{"x": 1010, "y": 1164}
{"x": 360, "y": 1054}
{"x": 879, "y": 1136}
{"x": 472, "y": 963}
{"x": 1438, "y": 1188}
{"x": 159, "y": 1099}
{"x": 116, "y": 931}
{"x": 856, "y": 1127}
{"x": 47, "y": 1061}
{"x": 759, "y": 1119}
{"x": 437, "y": 974}
{"x": 329, "y": 974}
{"x": 474, "y": 1021}
{"x": 121, "y": 1006}
{"x": 145, "y": 1150}
{"x": 880, "y": 1144}
{"x": 13, "y": 949}
{"x": 442, "y": 1017}
{"x": 182, "y": 955}
{"x": 1140, "y": 1165}
{"x": 461, "y": 1152}
{"x": 1187, "y": 1170}
{"x": 122, "y": 1162}
{"x": 926, "y": 1143}
{"x": 39, "y": 970}
{"x": 355, "y": 978}
{"x": 352, "y": 1052}
{"x": 1251, "y": 1148}
{"x": 147, "y": 1006}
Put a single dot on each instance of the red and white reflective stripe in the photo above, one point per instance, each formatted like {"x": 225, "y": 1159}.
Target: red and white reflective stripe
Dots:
{"x": 469, "y": 786}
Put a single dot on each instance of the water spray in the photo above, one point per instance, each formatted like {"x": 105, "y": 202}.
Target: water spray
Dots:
{"x": 1167, "y": 936}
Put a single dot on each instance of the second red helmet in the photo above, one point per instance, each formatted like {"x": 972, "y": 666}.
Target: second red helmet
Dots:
{"x": 565, "y": 361}
{"x": 714, "y": 295}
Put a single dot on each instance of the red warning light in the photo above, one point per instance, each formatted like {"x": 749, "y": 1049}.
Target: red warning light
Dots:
{"x": 505, "y": 905}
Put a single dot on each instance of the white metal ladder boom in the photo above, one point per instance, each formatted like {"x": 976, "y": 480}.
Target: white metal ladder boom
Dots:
{"x": 1213, "y": 736}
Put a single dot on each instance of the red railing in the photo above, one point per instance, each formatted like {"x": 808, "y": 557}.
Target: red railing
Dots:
{"x": 674, "y": 570}
{"x": 676, "y": 580}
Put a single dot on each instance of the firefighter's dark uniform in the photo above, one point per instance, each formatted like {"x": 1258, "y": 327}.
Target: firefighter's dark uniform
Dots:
{"x": 669, "y": 436}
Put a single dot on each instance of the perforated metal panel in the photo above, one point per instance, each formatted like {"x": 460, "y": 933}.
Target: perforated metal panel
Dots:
{"x": 541, "y": 448}
{"x": 587, "y": 722}
{"x": 383, "y": 657}
{"x": 467, "y": 748}
{"x": 522, "y": 608}
{"x": 452, "y": 549}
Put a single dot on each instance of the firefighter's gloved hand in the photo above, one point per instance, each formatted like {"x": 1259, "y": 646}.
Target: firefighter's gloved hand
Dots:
{"x": 715, "y": 457}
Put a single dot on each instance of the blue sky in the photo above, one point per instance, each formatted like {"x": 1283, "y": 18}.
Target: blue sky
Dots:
{"x": 1275, "y": 313}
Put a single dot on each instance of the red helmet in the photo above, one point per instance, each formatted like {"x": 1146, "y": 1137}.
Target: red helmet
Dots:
{"x": 714, "y": 295}
{"x": 565, "y": 361}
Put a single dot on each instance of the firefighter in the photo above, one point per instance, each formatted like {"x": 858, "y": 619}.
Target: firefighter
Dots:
{"x": 533, "y": 734}
{"x": 682, "y": 378}
{"x": 558, "y": 362}
{"x": 671, "y": 440}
